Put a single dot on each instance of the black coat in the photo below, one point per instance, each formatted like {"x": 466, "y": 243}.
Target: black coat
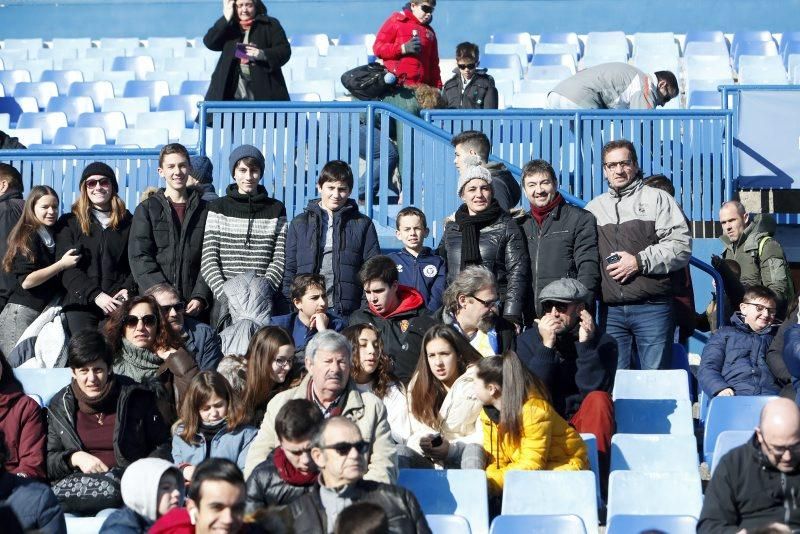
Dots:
{"x": 480, "y": 94}
{"x": 103, "y": 267}
{"x": 139, "y": 431}
{"x": 266, "y": 488}
{"x": 10, "y": 143}
{"x": 267, "y": 79}
{"x": 11, "y": 205}
{"x": 565, "y": 246}
{"x": 162, "y": 251}
{"x": 570, "y": 370}
{"x": 36, "y": 298}
{"x": 34, "y": 504}
{"x": 503, "y": 251}
{"x": 400, "y": 506}
{"x": 747, "y": 492}
{"x": 354, "y": 242}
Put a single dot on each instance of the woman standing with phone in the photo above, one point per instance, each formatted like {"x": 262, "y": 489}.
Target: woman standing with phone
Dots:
{"x": 254, "y": 48}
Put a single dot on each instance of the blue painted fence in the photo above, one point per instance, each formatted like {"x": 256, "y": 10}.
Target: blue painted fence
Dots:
{"x": 691, "y": 147}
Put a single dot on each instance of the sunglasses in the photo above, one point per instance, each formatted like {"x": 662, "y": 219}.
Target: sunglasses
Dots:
{"x": 467, "y": 66}
{"x": 179, "y": 307}
{"x": 91, "y": 183}
{"x": 426, "y": 8}
{"x": 344, "y": 448}
{"x": 132, "y": 321}
{"x": 561, "y": 307}
{"x": 491, "y": 304}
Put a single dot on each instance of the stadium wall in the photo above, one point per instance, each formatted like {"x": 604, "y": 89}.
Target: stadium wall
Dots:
{"x": 455, "y": 20}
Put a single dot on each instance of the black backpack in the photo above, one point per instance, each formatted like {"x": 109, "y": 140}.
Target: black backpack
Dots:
{"x": 367, "y": 82}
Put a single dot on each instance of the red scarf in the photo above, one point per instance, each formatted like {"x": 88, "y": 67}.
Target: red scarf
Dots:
{"x": 245, "y": 24}
{"x": 539, "y": 214}
{"x": 290, "y": 473}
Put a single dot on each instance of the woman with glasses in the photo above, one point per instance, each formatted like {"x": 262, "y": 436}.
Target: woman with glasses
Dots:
{"x": 471, "y": 87}
{"x": 407, "y": 45}
{"x": 270, "y": 359}
{"x": 98, "y": 229}
{"x": 147, "y": 350}
{"x": 482, "y": 233}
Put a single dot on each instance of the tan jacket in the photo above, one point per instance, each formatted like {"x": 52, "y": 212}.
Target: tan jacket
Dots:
{"x": 364, "y": 409}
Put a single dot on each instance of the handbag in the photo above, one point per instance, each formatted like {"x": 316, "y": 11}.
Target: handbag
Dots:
{"x": 88, "y": 493}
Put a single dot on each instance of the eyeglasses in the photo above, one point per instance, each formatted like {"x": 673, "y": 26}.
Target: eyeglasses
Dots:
{"x": 488, "y": 303}
{"x": 283, "y": 362}
{"x": 761, "y": 308}
{"x": 179, "y": 307}
{"x": 611, "y": 165}
{"x": 132, "y": 321}
{"x": 344, "y": 448}
{"x": 467, "y": 66}
{"x": 426, "y": 8}
{"x": 561, "y": 307}
{"x": 780, "y": 451}
{"x": 91, "y": 183}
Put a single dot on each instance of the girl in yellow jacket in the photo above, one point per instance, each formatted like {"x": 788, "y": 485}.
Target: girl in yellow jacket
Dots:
{"x": 521, "y": 430}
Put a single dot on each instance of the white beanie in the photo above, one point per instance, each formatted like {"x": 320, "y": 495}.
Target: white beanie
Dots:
{"x": 474, "y": 172}
{"x": 140, "y": 483}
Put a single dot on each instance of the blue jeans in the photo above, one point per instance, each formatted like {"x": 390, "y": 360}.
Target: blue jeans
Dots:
{"x": 392, "y": 157}
{"x": 644, "y": 329}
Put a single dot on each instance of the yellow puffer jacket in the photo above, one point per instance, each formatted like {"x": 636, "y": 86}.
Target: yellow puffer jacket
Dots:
{"x": 548, "y": 443}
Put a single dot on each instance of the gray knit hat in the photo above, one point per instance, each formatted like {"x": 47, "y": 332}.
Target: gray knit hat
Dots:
{"x": 246, "y": 151}
{"x": 474, "y": 172}
{"x": 202, "y": 169}
{"x": 563, "y": 290}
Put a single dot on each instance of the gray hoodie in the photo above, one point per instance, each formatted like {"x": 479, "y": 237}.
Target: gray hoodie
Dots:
{"x": 140, "y": 485}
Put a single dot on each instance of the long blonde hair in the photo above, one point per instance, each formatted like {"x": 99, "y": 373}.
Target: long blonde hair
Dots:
{"x": 82, "y": 209}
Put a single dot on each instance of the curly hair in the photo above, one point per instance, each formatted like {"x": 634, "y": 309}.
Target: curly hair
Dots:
{"x": 115, "y": 326}
{"x": 383, "y": 375}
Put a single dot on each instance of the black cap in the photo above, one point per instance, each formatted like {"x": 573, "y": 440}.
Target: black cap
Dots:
{"x": 98, "y": 168}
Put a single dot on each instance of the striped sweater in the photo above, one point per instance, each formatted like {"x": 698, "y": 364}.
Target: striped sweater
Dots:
{"x": 244, "y": 234}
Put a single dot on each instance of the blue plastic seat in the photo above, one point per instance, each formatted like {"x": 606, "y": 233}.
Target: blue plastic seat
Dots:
{"x": 319, "y": 40}
{"x": 451, "y": 492}
{"x": 37, "y": 398}
{"x": 674, "y": 524}
{"x": 31, "y": 44}
{"x": 130, "y": 107}
{"x": 706, "y": 36}
{"x": 174, "y": 121}
{"x": 62, "y": 78}
{"x": 706, "y": 48}
{"x": 790, "y": 48}
{"x": 48, "y": 123}
{"x": 110, "y": 121}
{"x": 562, "y": 37}
{"x": 447, "y": 524}
{"x": 502, "y": 61}
{"x": 174, "y": 43}
{"x": 81, "y": 137}
{"x": 552, "y": 60}
{"x": 548, "y": 72}
{"x": 10, "y": 78}
{"x": 152, "y": 89}
{"x": 590, "y": 440}
{"x": 557, "y": 493}
{"x": 194, "y": 87}
{"x": 762, "y": 70}
{"x": 744, "y": 36}
{"x": 97, "y": 91}
{"x": 680, "y": 360}
{"x": 654, "y": 453}
{"x": 41, "y": 91}
{"x": 653, "y": 416}
{"x": 71, "y": 106}
{"x": 537, "y": 524}
{"x": 704, "y": 100}
{"x": 787, "y": 38}
{"x": 522, "y": 38}
{"x": 727, "y": 440}
{"x": 612, "y": 40}
{"x": 185, "y": 103}
{"x": 326, "y": 89}
{"x": 753, "y": 48}
{"x": 128, "y": 44}
{"x": 661, "y": 384}
{"x": 304, "y": 97}
{"x": 357, "y": 39}
{"x": 143, "y": 137}
{"x": 635, "y": 493}
{"x": 731, "y": 413}
{"x": 43, "y": 382}
{"x": 141, "y": 65}
{"x": 27, "y": 136}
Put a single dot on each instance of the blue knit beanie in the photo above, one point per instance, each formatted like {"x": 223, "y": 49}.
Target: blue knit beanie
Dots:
{"x": 246, "y": 151}
{"x": 202, "y": 169}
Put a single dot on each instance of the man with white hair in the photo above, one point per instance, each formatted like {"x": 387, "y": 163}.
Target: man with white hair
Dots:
{"x": 758, "y": 483}
{"x": 328, "y": 385}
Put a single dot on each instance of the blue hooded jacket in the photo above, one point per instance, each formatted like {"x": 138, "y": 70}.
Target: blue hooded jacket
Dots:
{"x": 427, "y": 273}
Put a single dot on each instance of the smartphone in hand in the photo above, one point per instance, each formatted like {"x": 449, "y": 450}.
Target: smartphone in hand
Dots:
{"x": 613, "y": 258}
{"x": 241, "y": 51}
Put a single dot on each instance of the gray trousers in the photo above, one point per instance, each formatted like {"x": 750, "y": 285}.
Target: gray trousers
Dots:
{"x": 467, "y": 456}
{"x": 14, "y": 319}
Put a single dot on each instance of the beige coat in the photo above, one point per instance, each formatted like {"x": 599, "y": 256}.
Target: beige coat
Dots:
{"x": 364, "y": 409}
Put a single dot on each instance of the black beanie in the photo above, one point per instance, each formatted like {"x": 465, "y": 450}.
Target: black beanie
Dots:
{"x": 99, "y": 168}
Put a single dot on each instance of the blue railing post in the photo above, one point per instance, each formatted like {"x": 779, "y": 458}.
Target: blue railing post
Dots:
{"x": 369, "y": 151}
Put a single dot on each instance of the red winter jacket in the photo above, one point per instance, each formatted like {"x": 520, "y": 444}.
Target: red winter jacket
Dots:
{"x": 24, "y": 433}
{"x": 410, "y": 69}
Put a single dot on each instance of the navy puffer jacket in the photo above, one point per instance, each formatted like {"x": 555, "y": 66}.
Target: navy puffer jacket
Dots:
{"x": 734, "y": 357}
{"x": 354, "y": 242}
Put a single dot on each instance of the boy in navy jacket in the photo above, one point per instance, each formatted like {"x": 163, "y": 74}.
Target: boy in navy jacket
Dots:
{"x": 417, "y": 265}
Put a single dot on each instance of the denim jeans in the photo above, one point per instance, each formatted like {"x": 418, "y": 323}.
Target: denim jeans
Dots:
{"x": 392, "y": 157}
{"x": 644, "y": 329}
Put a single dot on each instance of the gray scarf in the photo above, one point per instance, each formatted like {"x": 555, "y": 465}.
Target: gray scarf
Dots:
{"x": 135, "y": 362}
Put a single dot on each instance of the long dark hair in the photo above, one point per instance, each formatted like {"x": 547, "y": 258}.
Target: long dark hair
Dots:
{"x": 203, "y": 387}
{"x": 428, "y": 392}
{"x": 82, "y": 209}
{"x": 261, "y": 351}
{"x": 517, "y": 385}
{"x": 115, "y": 327}
{"x": 384, "y": 378}
{"x": 21, "y": 237}
{"x": 261, "y": 10}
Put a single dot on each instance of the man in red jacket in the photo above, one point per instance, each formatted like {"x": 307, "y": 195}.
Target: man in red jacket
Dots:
{"x": 407, "y": 45}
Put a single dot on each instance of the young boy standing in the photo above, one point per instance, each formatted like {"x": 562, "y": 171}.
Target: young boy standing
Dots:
{"x": 733, "y": 361}
{"x": 417, "y": 265}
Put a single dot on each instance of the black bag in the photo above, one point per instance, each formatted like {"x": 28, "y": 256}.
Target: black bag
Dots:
{"x": 367, "y": 82}
{"x": 87, "y": 494}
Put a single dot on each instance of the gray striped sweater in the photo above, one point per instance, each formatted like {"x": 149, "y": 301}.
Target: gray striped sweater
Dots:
{"x": 244, "y": 234}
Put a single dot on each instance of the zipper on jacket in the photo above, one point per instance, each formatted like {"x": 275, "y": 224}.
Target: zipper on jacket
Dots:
{"x": 616, "y": 241}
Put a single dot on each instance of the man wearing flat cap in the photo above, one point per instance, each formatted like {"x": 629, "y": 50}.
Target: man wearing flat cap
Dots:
{"x": 574, "y": 359}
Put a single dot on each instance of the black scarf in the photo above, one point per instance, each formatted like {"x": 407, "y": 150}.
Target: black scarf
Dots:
{"x": 471, "y": 226}
{"x": 105, "y": 402}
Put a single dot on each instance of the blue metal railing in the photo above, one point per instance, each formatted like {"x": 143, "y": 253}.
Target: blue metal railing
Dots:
{"x": 692, "y": 147}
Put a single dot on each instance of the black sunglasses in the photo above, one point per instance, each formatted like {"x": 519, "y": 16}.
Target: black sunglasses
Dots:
{"x": 179, "y": 307}
{"x": 426, "y": 8}
{"x": 466, "y": 66}
{"x": 132, "y": 321}
{"x": 561, "y": 307}
{"x": 344, "y": 448}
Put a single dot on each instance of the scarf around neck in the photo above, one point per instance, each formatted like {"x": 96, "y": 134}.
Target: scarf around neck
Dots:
{"x": 136, "y": 362}
{"x": 471, "y": 226}
{"x": 105, "y": 402}
{"x": 47, "y": 238}
{"x": 290, "y": 473}
{"x": 539, "y": 214}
